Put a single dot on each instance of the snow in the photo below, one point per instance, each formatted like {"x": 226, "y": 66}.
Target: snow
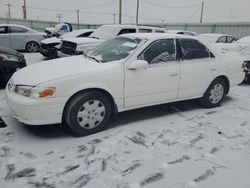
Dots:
{"x": 178, "y": 145}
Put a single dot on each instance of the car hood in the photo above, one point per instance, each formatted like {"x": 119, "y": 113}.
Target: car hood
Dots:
{"x": 55, "y": 69}
{"x": 83, "y": 40}
{"x": 8, "y": 51}
{"x": 51, "y": 40}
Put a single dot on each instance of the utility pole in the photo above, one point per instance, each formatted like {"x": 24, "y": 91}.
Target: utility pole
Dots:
{"x": 9, "y": 12}
{"x": 114, "y": 17}
{"x": 24, "y": 10}
{"x": 59, "y": 16}
{"x": 78, "y": 18}
{"x": 137, "y": 12}
{"x": 120, "y": 11}
{"x": 202, "y": 7}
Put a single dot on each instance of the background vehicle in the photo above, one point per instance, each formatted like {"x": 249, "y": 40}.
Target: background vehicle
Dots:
{"x": 182, "y": 32}
{"x": 10, "y": 62}
{"x": 58, "y": 29}
{"x": 20, "y": 38}
{"x": 77, "y": 46}
{"x": 48, "y": 46}
{"x": 124, "y": 73}
{"x": 217, "y": 38}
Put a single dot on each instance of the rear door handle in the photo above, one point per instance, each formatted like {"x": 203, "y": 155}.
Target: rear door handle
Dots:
{"x": 213, "y": 69}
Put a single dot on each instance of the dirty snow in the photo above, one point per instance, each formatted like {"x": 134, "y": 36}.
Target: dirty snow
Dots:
{"x": 179, "y": 145}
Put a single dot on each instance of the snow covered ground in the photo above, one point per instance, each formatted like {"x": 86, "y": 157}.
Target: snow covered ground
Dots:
{"x": 178, "y": 145}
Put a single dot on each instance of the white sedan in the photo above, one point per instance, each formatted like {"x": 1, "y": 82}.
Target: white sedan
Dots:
{"x": 124, "y": 73}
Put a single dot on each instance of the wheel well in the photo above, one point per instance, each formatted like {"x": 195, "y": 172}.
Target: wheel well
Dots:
{"x": 114, "y": 109}
{"x": 225, "y": 79}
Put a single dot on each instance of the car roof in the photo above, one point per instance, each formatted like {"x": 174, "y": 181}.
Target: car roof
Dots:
{"x": 214, "y": 34}
{"x": 133, "y": 26}
{"x": 156, "y": 35}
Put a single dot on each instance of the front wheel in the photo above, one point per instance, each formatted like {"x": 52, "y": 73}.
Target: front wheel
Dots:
{"x": 32, "y": 46}
{"x": 88, "y": 113}
{"x": 214, "y": 94}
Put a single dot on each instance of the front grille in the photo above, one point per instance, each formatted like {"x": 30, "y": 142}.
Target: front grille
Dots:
{"x": 68, "y": 48}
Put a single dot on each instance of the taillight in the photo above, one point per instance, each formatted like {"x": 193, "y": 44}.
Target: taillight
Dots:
{"x": 45, "y": 36}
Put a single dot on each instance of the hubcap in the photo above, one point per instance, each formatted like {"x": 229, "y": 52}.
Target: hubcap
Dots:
{"x": 91, "y": 114}
{"x": 216, "y": 93}
{"x": 32, "y": 47}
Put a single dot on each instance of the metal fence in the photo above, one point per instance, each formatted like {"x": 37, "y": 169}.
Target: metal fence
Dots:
{"x": 235, "y": 29}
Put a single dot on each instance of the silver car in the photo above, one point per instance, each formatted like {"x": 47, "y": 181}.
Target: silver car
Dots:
{"x": 20, "y": 37}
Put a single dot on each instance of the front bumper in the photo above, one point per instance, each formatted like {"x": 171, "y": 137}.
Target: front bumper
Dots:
{"x": 35, "y": 112}
{"x": 49, "y": 52}
{"x": 61, "y": 54}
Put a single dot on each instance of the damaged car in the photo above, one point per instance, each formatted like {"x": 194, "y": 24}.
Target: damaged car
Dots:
{"x": 127, "y": 72}
{"x": 50, "y": 46}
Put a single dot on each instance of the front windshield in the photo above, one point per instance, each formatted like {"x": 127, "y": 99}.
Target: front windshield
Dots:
{"x": 114, "y": 49}
{"x": 104, "y": 32}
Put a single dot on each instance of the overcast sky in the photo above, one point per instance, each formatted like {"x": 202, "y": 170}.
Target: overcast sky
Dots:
{"x": 101, "y": 11}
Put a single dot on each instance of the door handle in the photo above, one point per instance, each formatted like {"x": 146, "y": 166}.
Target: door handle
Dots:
{"x": 213, "y": 69}
{"x": 173, "y": 74}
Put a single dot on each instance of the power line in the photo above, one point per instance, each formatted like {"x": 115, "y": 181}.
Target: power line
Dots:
{"x": 195, "y": 12}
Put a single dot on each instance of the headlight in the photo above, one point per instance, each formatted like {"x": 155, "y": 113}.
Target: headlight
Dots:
{"x": 35, "y": 92}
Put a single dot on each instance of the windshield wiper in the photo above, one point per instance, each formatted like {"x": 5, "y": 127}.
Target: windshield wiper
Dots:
{"x": 91, "y": 57}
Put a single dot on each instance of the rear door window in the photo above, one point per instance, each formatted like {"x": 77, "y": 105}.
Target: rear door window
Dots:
{"x": 193, "y": 49}
{"x": 145, "y": 30}
{"x": 125, "y": 31}
{"x": 230, "y": 39}
{"x": 14, "y": 29}
{"x": 222, "y": 40}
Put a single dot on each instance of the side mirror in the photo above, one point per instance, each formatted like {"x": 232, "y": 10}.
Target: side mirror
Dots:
{"x": 138, "y": 65}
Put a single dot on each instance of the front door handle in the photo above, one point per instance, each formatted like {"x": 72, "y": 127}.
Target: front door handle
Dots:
{"x": 213, "y": 69}
{"x": 173, "y": 74}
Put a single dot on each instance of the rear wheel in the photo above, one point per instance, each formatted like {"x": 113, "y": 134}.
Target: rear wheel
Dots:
{"x": 214, "y": 94}
{"x": 88, "y": 113}
{"x": 32, "y": 46}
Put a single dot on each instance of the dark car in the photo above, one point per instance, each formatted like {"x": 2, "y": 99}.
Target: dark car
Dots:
{"x": 247, "y": 71}
{"x": 10, "y": 62}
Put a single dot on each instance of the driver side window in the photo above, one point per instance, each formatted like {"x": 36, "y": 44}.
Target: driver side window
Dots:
{"x": 160, "y": 51}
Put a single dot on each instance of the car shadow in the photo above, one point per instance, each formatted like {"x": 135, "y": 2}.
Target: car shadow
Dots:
{"x": 123, "y": 118}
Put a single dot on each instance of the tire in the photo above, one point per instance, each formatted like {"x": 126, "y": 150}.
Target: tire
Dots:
{"x": 32, "y": 46}
{"x": 214, "y": 94}
{"x": 88, "y": 113}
